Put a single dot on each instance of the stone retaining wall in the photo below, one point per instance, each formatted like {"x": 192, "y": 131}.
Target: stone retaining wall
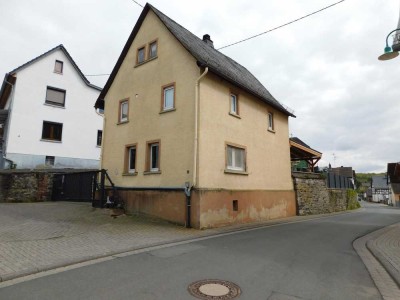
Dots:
{"x": 26, "y": 186}
{"x": 313, "y": 196}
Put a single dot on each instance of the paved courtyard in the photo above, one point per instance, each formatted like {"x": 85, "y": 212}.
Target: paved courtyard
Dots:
{"x": 40, "y": 236}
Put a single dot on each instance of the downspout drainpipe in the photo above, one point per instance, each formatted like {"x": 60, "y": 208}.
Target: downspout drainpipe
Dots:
{"x": 7, "y": 125}
{"x": 189, "y": 187}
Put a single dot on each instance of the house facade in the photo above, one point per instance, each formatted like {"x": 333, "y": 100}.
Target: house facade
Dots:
{"x": 380, "y": 189}
{"x": 47, "y": 115}
{"x": 190, "y": 135}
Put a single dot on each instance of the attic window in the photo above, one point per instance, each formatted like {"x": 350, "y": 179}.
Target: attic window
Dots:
{"x": 153, "y": 50}
{"x": 140, "y": 55}
{"x": 58, "y": 67}
{"x": 270, "y": 121}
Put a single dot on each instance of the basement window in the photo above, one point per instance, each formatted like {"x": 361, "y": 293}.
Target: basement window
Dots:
{"x": 49, "y": 161}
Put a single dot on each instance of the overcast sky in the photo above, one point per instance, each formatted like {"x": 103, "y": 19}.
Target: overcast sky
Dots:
{"x": 324, "y": 67}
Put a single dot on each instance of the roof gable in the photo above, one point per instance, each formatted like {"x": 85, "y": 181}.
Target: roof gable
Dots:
{"x": 206, "y": 56}
{"x": 62, "y": 48}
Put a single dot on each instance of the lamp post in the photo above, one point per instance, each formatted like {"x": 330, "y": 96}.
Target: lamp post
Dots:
{"x": 390, "y": 52}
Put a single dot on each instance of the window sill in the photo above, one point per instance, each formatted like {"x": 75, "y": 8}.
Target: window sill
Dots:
{"x": 271, "y": 130}
{"x": 54, "y": 105}
{"x": 98, "y": 146}
{"x": 167, "y": 110}
{"x": 227, "y": 171}
{"x": 151, "y": 172}
{"x": 130, "y": 174}
{"x": 123, "y": 122}
{"x": 235, "y": 115}
{"x": 146, "y": 61}
{"x": 59, "y": 73}
{"x": 51, "y": 141}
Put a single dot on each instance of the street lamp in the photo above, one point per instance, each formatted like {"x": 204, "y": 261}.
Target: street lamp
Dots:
{"x": 390, "y": 52}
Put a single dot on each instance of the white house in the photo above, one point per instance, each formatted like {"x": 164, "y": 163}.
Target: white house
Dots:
{"x": 47, "y": 115}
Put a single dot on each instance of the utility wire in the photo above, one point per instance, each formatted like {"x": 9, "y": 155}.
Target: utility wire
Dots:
{"x": 283, "y": 25}
{"x": 138, "y": 3}
{"x": 262, "y": 33}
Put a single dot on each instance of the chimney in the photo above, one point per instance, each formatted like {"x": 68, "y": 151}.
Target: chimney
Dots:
{"x": 207, "y": 40}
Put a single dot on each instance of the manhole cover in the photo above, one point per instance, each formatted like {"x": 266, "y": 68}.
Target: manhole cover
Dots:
{"x": 214, "y": 289}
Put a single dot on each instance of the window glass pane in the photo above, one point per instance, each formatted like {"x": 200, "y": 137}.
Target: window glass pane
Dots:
{"x": 49, "y": 161}
{"x": 235, "y": 158}
{"x": 52, "y": 131}
{"x": 233, "y": 104}
{"x": 154, "y": 157}
{"x": 132, "y": 159}
{"x": 229, "y": 155}
{"x": 153, "y": 50}
{"x": 169, "y": 98}
{"x": 55, "y": 96}
{"x": 239, "y": 159}
{"x": 99, "y": 137}
{"x": 141, "y": 55}
{"x": 124, "y": 111}
{"x": 270, "y": 121}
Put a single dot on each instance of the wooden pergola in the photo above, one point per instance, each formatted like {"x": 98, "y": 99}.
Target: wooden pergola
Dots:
{"x": 301, "y": 151}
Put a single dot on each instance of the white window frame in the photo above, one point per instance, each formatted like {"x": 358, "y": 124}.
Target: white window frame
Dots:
{"x": 165, "y": 90}
{"x": 234, "y": 104}
{"x": 130, "y": 159}
{"x": 122, "y": 103}
{"x": 270, "y": 121}
{"x": 234, "y": 167}
{"x": 151, "y": 146}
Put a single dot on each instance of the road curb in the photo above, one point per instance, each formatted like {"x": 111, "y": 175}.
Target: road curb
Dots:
{"x": 385, "y": 261}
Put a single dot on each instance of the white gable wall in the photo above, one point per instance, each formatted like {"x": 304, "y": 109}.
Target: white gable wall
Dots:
{"x": 78, "y": 147}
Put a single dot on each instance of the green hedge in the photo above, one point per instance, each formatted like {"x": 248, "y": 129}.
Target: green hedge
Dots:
{"x": 351, "y": 199}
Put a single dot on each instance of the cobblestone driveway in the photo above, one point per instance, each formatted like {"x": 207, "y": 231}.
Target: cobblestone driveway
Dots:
{"x": 41, "y": 236}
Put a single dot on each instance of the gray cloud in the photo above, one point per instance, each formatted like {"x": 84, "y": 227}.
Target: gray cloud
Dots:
{"x": 324, "y": 67}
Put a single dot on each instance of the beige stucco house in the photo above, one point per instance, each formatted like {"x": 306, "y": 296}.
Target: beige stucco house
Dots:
{"x": 190, "y": 135}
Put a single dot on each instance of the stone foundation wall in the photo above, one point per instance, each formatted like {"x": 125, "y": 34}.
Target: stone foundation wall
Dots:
{"x": 313, "y": 196}
{"x": 25, "y": 186}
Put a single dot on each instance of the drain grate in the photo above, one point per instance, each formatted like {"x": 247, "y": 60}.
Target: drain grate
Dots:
{"x": 214, "y": 289}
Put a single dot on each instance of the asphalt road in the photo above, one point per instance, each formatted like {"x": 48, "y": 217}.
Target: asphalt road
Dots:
{"x": 305, "y": 260}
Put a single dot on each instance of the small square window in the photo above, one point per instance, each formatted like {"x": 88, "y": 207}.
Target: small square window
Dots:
{"x": 234, "y": 104}
{"x": 49, "y": 161}
{"x": 130, "y": 159}
{"x": 99, "y": 137}
{"x": 55, "y": 96}
{"x": 153, "y": 49}
{"x": 236, "y": 158}
{"x": 140, "y": 55}
{"x": 123, "y": 111}
{"x": 52, "y": 131}
{"x": 168, "y": 99}
{"x": 58, "y": 66}
{"x": 153, "y": 156}
{"x": 270, "y": 121}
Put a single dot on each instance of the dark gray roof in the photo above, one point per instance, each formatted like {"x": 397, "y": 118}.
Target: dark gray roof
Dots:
{"x": 62, "y": 48}
{"x": 300, "y": 142}
{"x": 379, "y": 182}
{"x": 206, "y": 55}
